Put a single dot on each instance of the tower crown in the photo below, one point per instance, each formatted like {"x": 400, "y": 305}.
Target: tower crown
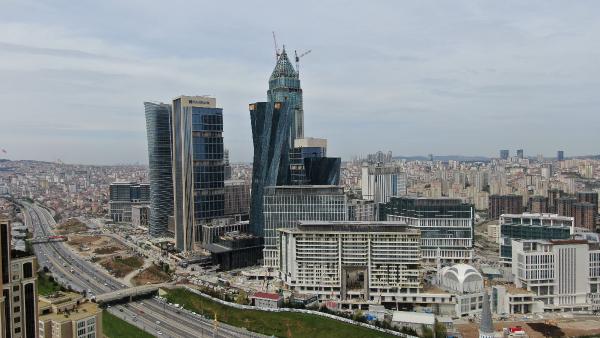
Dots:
{"x": 284, "y": 67}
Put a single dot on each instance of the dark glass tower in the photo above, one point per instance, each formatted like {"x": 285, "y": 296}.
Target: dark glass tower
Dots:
{"x": 198, "y": 167}
{"x": 270, "y": 132}
{"x": 158, "y": 129}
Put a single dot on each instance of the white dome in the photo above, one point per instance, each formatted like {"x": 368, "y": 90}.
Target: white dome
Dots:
{"x": 461, "y": 278}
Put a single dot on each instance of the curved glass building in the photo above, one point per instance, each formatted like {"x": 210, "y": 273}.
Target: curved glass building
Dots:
{"x": 158, "y": 128}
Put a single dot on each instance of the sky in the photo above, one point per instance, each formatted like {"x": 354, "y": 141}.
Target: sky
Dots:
{"x": 413, "y": 77}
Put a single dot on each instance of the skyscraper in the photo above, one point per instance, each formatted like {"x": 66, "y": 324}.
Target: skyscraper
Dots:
{"x": 504, "y": 153}
{"x": 520, "y": 153}
{"x": 284, "y": 85}
{"x": 198, "y": 168}
{"x": 560, "y": 155}
{"x": 158, "y": 129}
{"x": 270, "y": 128}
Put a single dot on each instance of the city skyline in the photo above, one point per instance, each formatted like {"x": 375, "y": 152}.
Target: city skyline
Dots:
{"x": 414, "y": 78}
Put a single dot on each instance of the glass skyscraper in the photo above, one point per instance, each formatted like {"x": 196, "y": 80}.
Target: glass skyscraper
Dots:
{"x": 198, "y": 167}
{"x": 284, "y": 86}
{"x": 158, "y": 129}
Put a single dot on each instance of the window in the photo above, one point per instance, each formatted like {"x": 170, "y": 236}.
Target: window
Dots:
{"x": 17, "y": 309}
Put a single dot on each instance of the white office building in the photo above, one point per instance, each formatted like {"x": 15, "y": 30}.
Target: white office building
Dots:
{"x": 348, "y": 261}
{"x": 285, "y": 206}
{"x": 380, "y": 182}
{"x": 563, "y": 274}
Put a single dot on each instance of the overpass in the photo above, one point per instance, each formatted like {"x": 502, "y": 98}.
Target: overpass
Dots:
{"x": 129, "y": 293}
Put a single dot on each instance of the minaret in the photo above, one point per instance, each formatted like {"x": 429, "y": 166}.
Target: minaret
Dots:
{"x": 486, "y": 327}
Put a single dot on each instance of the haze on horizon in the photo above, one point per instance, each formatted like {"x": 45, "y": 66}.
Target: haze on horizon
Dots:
{"x": 414, "y": 77}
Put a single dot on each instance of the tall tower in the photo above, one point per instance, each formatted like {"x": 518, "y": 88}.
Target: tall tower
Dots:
{"x": 158, "y": 129}
{"x": 198, "y": 168}
{"x": 284, "y": 86}
{"x": 486, "y": 327}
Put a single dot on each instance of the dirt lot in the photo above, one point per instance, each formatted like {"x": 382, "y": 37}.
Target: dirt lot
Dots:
{"x": 151, "y": 275}
{"x": 95, "y": 245}
{"x": 120, "y": 267}
{"x": 560, "y": 327}
{"x": 70, "y": 226}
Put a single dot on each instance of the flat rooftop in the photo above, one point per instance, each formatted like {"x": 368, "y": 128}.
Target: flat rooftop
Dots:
{"x": 84, "y": 310}
{"x": 352, "y": 226}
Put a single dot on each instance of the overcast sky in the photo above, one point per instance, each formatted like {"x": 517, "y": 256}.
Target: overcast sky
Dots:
{"x": 414, "y": 77}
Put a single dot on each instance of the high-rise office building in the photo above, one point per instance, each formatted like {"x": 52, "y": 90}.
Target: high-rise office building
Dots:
{"x": 305, "y": 148}
{"x": 504, "y": 154}
{"x": 198, "y": 168}
{"x": 227, "y": 165}
{"x": 123, "y": 196}
{"x": 446, "y": 224}
{"x": 284, "y": 85}
{"x": 504, "y": 204}
{"x": 270, "y": 129}
{"x": 160, "y": 171}
{"x": 520, "y": 153}
{"x": 380, "y": 182}
{"x": 285, "y": 206}
{"x": 560, "y": 155}
{"x": 19, "y": 315}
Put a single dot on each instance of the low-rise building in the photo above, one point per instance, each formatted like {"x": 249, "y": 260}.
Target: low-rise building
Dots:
{"x": 68, "y": 315}
{"x": 531, "y": 226}
{"x": 140, "y": 215}
{"x": 466, "y": 283}
{"x": 267, "y": 300}
{"x": 563, "y": 274}
{"x": 508, "y": 300}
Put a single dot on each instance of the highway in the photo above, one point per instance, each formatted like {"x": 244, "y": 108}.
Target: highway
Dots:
{"x": 151, "y": 315}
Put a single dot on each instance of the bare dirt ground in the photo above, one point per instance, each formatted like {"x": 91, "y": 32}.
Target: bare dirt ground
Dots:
{"x": 150, "y": 275}
{"x": 120, "y": 267}
{"x": 70, "y": 226}
{"x": 95, "y": 245}
{"x": 560, "y": 327}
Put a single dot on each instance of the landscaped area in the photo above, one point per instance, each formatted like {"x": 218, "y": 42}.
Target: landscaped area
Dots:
{"x": 120, "y": 267}
{"x": 280, "y": 324}
{"x": 46, "y": 284}
{"x": 115, "y": 327}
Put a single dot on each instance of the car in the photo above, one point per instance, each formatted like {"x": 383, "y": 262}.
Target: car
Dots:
{"x": 121, "y": 310}
{"x": 157, "y": 322}
{"x": 159, "y": 333}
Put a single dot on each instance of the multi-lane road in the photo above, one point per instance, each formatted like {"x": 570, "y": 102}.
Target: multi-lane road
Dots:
{"x": 152, "y": 315}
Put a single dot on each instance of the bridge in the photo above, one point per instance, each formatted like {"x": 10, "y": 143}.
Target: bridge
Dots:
{"x": 129, "y": 293}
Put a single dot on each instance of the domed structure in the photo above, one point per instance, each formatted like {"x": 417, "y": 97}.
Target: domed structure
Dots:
{"x": 461, "y": 278}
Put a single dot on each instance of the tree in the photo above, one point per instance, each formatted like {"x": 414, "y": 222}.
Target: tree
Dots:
{"x": 242, "y": 298}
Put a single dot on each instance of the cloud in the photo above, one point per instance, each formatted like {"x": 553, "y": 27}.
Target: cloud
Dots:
{"x": 415, "y": 77}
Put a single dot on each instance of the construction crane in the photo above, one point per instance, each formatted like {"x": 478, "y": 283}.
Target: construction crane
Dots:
{"x": 298, "y": 58}
{"x": 276, "y": 47}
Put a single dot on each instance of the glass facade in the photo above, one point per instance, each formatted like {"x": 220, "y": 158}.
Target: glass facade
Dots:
{"x": 284, "y": 86}
{"x": 198, "y": 167}
{"x": 270, "y": 128}
{"x": 285, "y": 206}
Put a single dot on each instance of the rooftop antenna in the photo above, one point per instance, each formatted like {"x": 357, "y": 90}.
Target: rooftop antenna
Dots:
{"x": 298, "y": 58}
{"x": 276, "y": 47}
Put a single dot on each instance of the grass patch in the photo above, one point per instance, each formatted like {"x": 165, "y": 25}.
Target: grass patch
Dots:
{"x": 115, "y": 327}
{"x": 47, "y": 285}
{"x": 281, "y": 324}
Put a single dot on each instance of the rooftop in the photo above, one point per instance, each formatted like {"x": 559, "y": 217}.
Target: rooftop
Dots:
{"x": 266, "y": 295}
{"x": 84, "y": 310}
{"x": 352, "y": 226}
